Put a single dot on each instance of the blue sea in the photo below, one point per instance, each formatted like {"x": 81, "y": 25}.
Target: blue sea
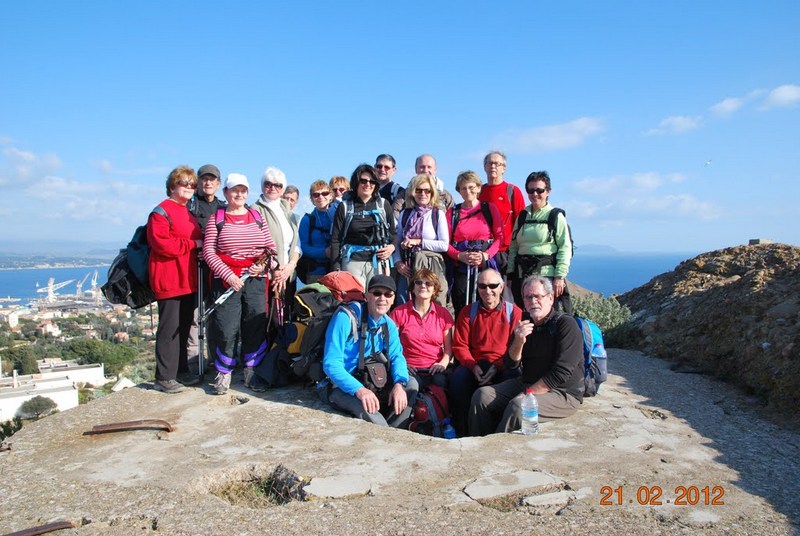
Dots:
{"x": 618, "y": 273}
{"x": 23, "y": 283}
{"x": 607, "y": 274}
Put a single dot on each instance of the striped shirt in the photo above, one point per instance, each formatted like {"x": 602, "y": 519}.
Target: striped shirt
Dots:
{"x": 241, "y": 238}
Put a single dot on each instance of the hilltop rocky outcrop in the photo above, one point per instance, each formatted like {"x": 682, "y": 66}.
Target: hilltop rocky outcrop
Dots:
{"x": 732, "y": 313}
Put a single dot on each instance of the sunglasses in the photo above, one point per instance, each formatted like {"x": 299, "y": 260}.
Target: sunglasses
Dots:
{"x": 367, "y": 181}
{"x": 275, "y": 185}
{"x": 423, "y": 283}
{"x": 484, "y": 286}
{"x": 387, "y": 168}
{"x": 320, "y": 194}
{"x": 338, "y": 189}
{"x": 187, "y": 184}
{"x": 539, "y": 191}
{"x": 385, "y": 294}
{"x": 420, "y": 191}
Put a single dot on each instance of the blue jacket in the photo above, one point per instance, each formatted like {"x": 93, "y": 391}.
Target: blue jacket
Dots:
{"x": 314, "y": 243}
{"x": 340, "y": 359}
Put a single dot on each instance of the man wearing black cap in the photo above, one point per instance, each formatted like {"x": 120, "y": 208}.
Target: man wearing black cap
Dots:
{"x": 375, "y": 337}
{"x": 202, "y": 205}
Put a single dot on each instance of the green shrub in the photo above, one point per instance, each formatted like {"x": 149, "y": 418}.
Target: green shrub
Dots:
{"x": 608, "y": 313}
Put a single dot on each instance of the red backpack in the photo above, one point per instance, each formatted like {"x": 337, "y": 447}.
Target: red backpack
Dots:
{"x": 344, "y": 286}
{"x": 429, "y": 412}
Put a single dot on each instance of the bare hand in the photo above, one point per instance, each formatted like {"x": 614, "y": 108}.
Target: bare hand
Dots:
{"x": 558, "y": 286}
{"x": 385, "y": 252}
{"x": 398, "y": 398}
{"x": 441, "y": 366}
{"x": 235, "y": 282}
{"x": 369, "y": 401}
{"x": 523, "y": 329}
{"x": 256, "y": 269}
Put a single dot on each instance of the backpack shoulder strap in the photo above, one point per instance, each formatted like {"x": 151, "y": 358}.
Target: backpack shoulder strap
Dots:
{"x": 521, "y": 219}
{"x": 551, "y": 221}
{"x": 510, "y": 195}
{"x": 435, "y": 220}
{"x": 454, "y": 217}
{"x": 312, "y": 223}
{"x": 509, "y": 311}
{"x": 404, "y": 217}
{"x": 473, "y": 311}
{"x": 160, "y": 210}
{"x": 349, "y": 207}
{"x": 220, "y": 219}
{"x": 257, "y": 216}
{"x": 487, "y": 214}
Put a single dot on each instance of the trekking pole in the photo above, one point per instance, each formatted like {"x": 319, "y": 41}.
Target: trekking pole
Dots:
{"x": 467, "y": 290}
{"x": 474, "y": 270}
{"x": 269, "y": 253}
{"x": 201, "y": 324}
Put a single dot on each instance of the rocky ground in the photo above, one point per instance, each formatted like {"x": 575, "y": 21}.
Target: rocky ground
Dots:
{"x": 732, "y": 313}
{"x": 658, "y": 452}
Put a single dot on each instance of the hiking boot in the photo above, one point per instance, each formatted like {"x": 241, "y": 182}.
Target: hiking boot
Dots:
{"x": 168, "y": 386}
{"x": 188, "y": 379}
{"x": 254, "y": 381}
{"x": 222, "y": 383}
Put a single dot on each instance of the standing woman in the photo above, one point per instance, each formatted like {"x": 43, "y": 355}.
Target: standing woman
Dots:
{"x": 315, "y": 235}
{"x": 363, "y": 234}
{"x": 277, "y": 216}
{"x": 422, "y": 235}
{"x": 235, "y": 242}
{"x": 541, "y": 243}
{"x": 476, "y": 234}
{"x": 174, "y": 238}
{"x": 426, "y": 331}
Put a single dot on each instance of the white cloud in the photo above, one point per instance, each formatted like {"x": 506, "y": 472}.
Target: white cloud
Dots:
{"x": 670, "y": 206}
{"x": 638, "y": 182}
{"x": 106, "y": 167}
{"x": 784, "y": 96}
{"x": 676, "y": 124}
{"x": 18, "y": 167}
{"x": 549, "y": 137}
{"x": 727, "y": 106}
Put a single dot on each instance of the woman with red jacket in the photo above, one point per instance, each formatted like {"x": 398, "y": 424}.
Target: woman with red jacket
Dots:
{"x": 174, "y": 237}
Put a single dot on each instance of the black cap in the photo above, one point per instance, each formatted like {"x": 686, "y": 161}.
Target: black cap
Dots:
{"x": 381, "y": 280}
{"x": 208, "y": 169}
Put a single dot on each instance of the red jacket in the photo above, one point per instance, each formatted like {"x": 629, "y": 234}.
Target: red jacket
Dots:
{"x": 173, "y": 253}
{"x": 487, "y": 337}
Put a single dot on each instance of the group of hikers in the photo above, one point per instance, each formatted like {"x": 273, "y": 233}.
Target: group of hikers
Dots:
{"x": 445, "y": 286}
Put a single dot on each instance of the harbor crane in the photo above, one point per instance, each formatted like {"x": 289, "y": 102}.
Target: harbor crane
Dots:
{"x": 79, "y": 285}
{"x": 52, "y": 287}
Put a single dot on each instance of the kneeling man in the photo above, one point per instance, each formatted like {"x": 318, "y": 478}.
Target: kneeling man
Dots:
{"x": 549, "y": 349}
{"x": 380, "y": 340}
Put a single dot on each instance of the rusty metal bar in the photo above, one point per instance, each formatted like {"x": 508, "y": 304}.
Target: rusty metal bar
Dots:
{"x": 43, "y": 529}
{"x": 143, "y": 424}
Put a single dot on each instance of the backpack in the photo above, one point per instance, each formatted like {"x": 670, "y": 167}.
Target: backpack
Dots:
{"x": 276, "y": 367}
{"x": 379, "y": 214}
{"x": 429, "y": 412}
{"x": 220, "y": 218}
{"x": 317, "y": 307}
{"x": 128, "y": 278}
{"x": 406, "y": 215}
{"x": 595, "y": 359}
{"x": 456, "y": 217}
{"x": 473, "y": 311}
{"x": 343, "y": 285}
{"x": 522, "y": 220}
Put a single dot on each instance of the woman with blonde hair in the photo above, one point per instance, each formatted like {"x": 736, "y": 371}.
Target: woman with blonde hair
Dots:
{"x": 422, "y": 236}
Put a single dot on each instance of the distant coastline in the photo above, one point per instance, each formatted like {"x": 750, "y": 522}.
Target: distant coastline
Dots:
{"x": 55, "y": 266}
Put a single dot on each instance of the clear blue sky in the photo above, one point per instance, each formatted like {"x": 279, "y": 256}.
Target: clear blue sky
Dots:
{"x": 670, "y": 126}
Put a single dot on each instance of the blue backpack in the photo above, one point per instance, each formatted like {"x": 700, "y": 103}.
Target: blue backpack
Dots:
{"x": 595, "y": 359}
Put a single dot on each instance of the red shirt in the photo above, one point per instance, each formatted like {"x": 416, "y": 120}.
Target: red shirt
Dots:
{"x": 497, "y": 195}
{"x": 487, "y": 337}
{"x": 422, "y": 338}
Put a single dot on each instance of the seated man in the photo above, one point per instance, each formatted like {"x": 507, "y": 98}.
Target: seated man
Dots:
{"x": 482, "y": 334}
{"x": 549, "y": 349}
{"x": 341, "y": 356}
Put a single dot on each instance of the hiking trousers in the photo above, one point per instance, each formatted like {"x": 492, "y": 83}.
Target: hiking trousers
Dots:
{"x": 385, "y": 417}
{"x": 242, "y": 315}
{"x": 174, "y": 322}
{"x": 497, "y": 408}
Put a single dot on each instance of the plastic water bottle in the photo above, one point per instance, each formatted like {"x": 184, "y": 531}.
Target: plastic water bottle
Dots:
{"x": 448, "y": 432}
{"x": 530, "y": 414}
